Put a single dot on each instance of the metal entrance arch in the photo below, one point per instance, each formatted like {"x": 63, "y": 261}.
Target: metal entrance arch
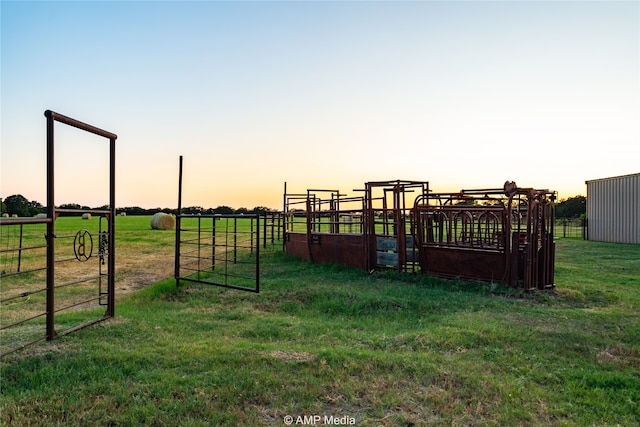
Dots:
{"x": 85, "y": 261}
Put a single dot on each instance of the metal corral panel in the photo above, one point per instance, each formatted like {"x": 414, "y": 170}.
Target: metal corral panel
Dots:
{"x": 464, "y": 263}
{"x": 613, "y": 209}
{"x": 329, "y": 248}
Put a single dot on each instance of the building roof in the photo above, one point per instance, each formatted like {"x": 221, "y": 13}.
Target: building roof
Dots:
{"x": 612, "y": 177}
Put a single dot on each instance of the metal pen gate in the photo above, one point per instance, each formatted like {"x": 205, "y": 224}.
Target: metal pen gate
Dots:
{"x": 374, "y": 232}
{"x": 390, "y": 238}
{"x": 78, "y": 269}
{"x": 501, "y": 234}
{"x": 217, "y": 249}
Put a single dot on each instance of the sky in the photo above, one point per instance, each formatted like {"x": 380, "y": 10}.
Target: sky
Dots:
{"x": 318, "y": 95}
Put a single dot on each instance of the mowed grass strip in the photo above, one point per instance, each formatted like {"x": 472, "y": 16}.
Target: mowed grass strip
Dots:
{"x": 384, "y": 349}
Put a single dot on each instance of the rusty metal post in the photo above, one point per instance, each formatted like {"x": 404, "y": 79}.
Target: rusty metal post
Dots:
{"x": 371, "y": 228}
{"x": 264, "y": 234}
{"x": 213, "y": 243}
{"x": 20, "y": 248}
{"x": 257, "y": 254}
{"x": 111, "y": 284}
{"x": 176, "y": 268}
{"x": 510, "y": 243}
{"x": 50, "y": 327}
{"x": 309, "y": 230}
{"x": 235, "y": 240}
{"x": 285, "y": 219}
{"x": 400, "y": 227}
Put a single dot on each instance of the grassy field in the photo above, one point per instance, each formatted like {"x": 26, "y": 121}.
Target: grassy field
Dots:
{"x": 321, "y": 340}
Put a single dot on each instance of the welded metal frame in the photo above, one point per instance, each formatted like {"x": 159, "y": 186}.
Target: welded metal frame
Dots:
{"x": 321, "y": 228}
{"x": 53, "y": 212}
{"x": 390, "y": 242}
{"x": 50, "y": 240}
{"x": 501, "y": 235}
{"x": 204, "y": 251}
{"x": 324, "y": 226}
{"x": 22, "y": 223}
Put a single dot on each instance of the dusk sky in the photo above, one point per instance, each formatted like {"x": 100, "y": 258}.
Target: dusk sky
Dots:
{"x": 317, "y": 94}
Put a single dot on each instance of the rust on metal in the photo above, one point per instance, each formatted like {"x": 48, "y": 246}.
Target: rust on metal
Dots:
{"x": 498, "y": 234}
{"x": 503, "y": 235}
{"x": 368, "y": 231}
{"x": 82, "y": 247}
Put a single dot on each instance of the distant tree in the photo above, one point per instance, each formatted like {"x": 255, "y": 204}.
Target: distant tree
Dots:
{"x": 260, "y": 210}
{"x": 223, "y": 210}
{"x": 73, "y": 206}
{"x": 466, "y": 202}
{"x": 3, "y": 207}
{"x": 573, "y": 207}
{"x": 70, "y": 206}
{"x": 242, "y": 211}
{"x": 17, "y": 205}
{"x": 35, "y": 208}
{"x": 154, "y": 211}
{"x": 193, "y": 210}
{"x": 135, "y": 210}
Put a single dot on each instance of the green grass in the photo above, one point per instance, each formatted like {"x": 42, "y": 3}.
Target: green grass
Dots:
{"x": 328, "y": 340}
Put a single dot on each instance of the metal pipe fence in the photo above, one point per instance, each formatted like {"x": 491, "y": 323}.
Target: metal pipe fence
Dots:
{"x": 44, "y": 272}
{"x": 571, "y": 228}
{"x": 220, "y": 249}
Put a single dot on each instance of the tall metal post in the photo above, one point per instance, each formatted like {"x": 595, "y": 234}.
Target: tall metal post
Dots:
{"x": 176, "y": 273}
{"x": 257, "y": 254}
{"x": 111, "y": 284}
{"x": 285, "y": 219}
{"x": 50, "y": 327}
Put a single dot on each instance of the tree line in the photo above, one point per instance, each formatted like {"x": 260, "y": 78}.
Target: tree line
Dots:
{"x": 573, "y": 207}
{"x": 21, "y": 206}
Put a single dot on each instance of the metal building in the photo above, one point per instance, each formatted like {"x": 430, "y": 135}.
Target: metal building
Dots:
{"x": 613, "y": 209}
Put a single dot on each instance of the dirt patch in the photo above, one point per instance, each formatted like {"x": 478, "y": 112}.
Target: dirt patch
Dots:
{"x": 620, "y": 356}
{"x": 138, "y": 270}
{"x": 136, "y": 280}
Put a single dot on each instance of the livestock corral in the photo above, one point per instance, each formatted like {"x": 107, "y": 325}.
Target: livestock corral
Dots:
{"x": 499, "y": 235}
{"x": 503, "y": 235}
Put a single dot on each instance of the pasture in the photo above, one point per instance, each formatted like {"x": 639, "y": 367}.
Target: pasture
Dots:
{"x": 380, "y": 349}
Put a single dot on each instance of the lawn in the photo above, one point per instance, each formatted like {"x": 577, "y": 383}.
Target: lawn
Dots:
{"x": 330, "y": 341}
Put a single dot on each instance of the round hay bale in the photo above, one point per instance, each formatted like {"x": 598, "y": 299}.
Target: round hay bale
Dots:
{"x": 40, "y": 215}
{"x": 86, "y": 216}
{"x": 163, "y": 221}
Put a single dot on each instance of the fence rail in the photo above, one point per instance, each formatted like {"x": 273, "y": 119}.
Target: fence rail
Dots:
{"x": 571, "y": 228}
{"x": 220, "y": 250}
{"x": 39, "y": 278}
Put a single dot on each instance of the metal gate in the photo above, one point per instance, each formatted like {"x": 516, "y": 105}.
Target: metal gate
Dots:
{"x": 391, "y": 242}
{"x": 57, "y": 275}
{"x": 501, "y": 234}
{"x": 218, "y": 249}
